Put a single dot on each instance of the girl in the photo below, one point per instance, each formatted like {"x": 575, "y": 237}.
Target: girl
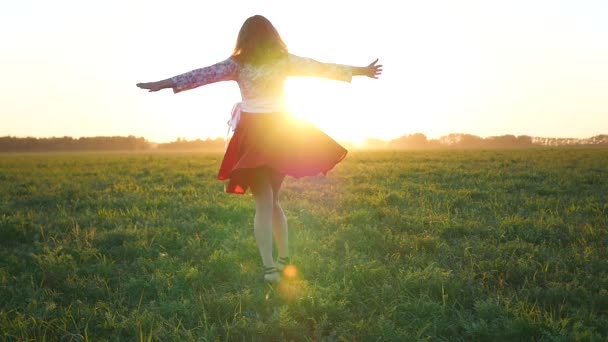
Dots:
{"x": 266, "y": 144}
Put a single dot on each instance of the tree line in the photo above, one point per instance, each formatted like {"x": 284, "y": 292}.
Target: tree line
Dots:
{"x": 412, "y": 141}
{"x": 112, "y": 143}
{"x": 469, "y": 141}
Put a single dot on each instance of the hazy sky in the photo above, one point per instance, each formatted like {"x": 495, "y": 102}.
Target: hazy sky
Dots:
{"x": 481, "y": 67}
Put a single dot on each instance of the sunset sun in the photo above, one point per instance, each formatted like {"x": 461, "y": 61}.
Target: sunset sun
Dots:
{"x": 327, "y": 104}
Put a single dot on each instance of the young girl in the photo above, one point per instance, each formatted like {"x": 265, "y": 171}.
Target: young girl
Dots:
{"x": 266, "y": 144}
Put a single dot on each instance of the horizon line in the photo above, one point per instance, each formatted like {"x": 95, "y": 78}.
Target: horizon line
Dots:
{"x": 341, "y": 140}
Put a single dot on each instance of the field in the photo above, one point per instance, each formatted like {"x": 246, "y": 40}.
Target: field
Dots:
{"x": 390, "y": 246}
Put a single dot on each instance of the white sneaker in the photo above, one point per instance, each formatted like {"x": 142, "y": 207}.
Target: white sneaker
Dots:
{"x": 271, "y": 275}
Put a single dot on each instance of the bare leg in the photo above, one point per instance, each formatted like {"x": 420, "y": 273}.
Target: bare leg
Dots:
{"x": 279, "y": 220}
{"x": 262, "y": 193}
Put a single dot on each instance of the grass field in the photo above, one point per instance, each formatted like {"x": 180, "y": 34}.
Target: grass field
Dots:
{"x": 391, "y": 246}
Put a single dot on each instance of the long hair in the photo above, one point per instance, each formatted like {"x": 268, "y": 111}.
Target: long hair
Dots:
{"x": 258, "y": 42}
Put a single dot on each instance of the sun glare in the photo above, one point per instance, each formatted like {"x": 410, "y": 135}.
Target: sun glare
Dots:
{"x": 322, "y": 103}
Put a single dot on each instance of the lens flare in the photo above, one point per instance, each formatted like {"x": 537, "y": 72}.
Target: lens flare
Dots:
{"x": 290, "y": 272}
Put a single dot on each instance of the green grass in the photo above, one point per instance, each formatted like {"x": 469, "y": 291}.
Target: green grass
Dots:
{"x": 439, "y": 245}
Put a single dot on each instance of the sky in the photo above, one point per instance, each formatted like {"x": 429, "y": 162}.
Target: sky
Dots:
{"x": 488, "y": 68}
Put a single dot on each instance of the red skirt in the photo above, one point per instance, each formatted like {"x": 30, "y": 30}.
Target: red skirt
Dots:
{"x": 279, "y": 142}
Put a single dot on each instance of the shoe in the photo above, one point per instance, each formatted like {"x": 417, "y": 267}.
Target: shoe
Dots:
{"x": 281, "y": 263}
{"x": 271, "y": 275}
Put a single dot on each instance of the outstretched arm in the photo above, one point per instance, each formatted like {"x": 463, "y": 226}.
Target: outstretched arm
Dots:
{"x": 156, "y": 86}
{"x": 373, "y": 70}
{"x": 301, "y": 66}
{"x": 222, "y": 71}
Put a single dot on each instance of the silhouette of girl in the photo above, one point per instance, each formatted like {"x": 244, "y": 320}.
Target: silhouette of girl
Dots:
{"x": 267, "y": 144}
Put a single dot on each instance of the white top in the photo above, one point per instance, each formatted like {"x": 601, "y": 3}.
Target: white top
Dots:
{"x": 262, "y": 87}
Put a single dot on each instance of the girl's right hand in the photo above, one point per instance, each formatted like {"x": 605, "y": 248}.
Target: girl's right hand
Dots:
{"x": 373, "y": 70}
{"x": 150, "y": 86}
{"x": 155, "y": 86}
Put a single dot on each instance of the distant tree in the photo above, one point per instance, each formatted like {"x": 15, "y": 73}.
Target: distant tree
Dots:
{"x": 182, "y": 144}
{"x": 524, "y": 140}
{"x": 470, "y": 141}
{"x": 503, "y": 141}
{"x": 449, "y": 140}
{"x": 412, "y": 141}
{"x": 461, "y": 140}
{"x": 601, "y": 139}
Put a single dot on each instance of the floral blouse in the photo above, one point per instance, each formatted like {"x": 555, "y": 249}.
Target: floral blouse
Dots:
{"x": 262, "y": 87}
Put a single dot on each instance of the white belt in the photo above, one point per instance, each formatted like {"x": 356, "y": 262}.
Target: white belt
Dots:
{"x": 235, "y": 116}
